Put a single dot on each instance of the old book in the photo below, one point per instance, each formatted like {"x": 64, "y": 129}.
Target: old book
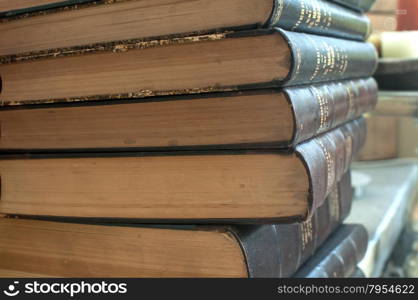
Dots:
{"x": 237, "y": 186}
{"x": 263, "y": 118}
{"x": 217, "y": 62}
{"x": 43, "y": 248}
{"x": 361, "y": 5}
{"x": 339, "y": 255}
{"x": 31, "y": 30}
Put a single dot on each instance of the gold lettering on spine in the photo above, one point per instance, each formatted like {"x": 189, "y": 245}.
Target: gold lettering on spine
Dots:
{"x": 278, "y": 11}
{"x": 330, "y": 59}
{"x": 334, "y": 204}
{"x": 350, "y": 97}
{"x": 298, "y": 61}
{"x": 324, "y": 111}
{"x": 313, "y": 13}
{"x": 348, "y": 152}
{"x": 306, "y": 233}
{"x": 330, "y": 166}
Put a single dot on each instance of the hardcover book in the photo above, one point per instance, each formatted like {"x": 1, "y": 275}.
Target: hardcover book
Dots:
{"x": 250, "y": 119}
{"x": 239, "y": 186}
{"x": 44, "y": 248}
{"x": 196, "y": 64}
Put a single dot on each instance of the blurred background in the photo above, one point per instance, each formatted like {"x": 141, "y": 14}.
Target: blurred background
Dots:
{"x": 386, "y": 176}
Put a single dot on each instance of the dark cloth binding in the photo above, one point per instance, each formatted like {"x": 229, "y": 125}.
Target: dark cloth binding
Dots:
{"x": 321, "y": 107}
{"x": 318, "y": 58}
{"x": 329, "y": 156}
{"x": 339, "y": 255}
{"x": 319, "y": 17}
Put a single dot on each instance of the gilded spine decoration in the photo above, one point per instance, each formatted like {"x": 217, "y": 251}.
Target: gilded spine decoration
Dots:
{"x": 334, "y": 104}
{"x": 329, "y": 156}
{"x": 319, "y": 17}
{"x": 318, "y": 59}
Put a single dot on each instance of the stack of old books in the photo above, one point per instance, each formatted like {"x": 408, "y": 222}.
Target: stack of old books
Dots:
{"x": 181, "y": 138}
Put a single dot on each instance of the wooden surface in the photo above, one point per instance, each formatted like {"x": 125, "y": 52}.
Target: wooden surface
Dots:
{"x": 72, "y": 250}
{"x": 128, "y": 20}
{"x": 208, "y": 64}
{"x": 187, "y": 186}
{"x": 189, "y": 122}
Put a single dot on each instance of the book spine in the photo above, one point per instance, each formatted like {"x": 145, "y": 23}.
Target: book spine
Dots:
{"x": 359, "y": 5}
{"x": 318, "y": 59}
{"x": 339, "y": 256}
{"x": 329, "y": 156}
{"x": 279, "y": 250}
{"x": 319, "y": 17}
{"x": 319, "y": 108}
{"x": 312, "y": 233}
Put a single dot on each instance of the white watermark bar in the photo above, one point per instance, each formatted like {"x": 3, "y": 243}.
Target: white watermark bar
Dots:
{"x": 79, "y": 288}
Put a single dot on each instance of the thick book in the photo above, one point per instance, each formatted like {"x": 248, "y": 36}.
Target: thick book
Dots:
{"x": 262, "y": 119}
{"x": 182, "y": 186}
{"x": 44, "y": 248}
{"x": 32, "y": 30}
{"x": 360, "y": 5}
{"x": 217, "y": 62}
{"x": 339, "y": 255}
